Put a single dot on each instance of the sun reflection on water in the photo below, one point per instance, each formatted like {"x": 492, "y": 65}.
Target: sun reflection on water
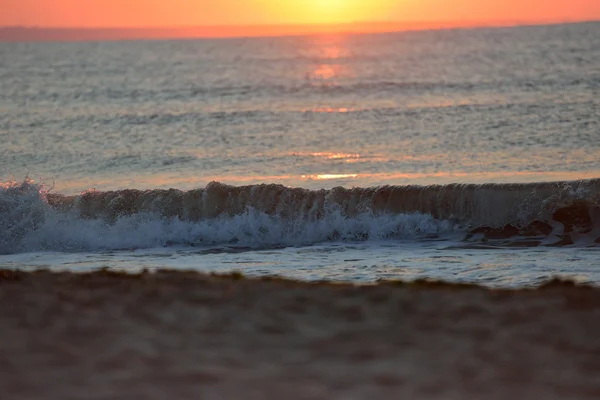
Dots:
{"x": 329, "y": 52}
{"x": 346, "y": 157}
{"x": 327, "y": 71}
{"x": 329, "y": 110}
{"x": 328, "y": 176}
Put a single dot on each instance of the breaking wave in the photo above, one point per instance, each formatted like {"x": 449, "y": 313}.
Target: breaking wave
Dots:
{"x": 269, "y": 215}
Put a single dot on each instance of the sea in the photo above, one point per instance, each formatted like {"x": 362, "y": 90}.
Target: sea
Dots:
{"x": 465, "y": 155}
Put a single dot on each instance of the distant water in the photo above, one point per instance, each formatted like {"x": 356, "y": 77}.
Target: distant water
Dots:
{"x": 467, "y": 155}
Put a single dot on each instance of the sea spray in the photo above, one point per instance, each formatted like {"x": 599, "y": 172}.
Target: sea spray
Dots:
{"x": 257, "y": 216}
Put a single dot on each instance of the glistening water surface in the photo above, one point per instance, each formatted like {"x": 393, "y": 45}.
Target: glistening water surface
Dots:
{"x": 482, "y": 106}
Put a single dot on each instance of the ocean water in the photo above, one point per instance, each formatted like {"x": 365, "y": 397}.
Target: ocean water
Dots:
{"x": 463, "y": 155}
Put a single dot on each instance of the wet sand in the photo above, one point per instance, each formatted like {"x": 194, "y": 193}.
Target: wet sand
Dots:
{"x": 192, "y": 336}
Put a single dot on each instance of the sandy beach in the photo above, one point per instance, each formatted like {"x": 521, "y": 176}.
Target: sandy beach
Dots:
{"x": 188, "y": 336}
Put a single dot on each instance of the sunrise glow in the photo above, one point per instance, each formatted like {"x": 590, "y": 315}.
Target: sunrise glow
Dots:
{"x": 339, "y": 11}
{"x": 226, "y": 18}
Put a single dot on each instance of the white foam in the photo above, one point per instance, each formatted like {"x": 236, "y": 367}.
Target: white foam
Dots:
{"x": 29, "y": 224}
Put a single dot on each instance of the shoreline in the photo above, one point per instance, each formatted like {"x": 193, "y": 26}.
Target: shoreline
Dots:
{"x": 192, "y": 335}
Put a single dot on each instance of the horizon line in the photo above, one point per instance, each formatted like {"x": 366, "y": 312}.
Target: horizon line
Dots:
{"x": 96, "y": 33}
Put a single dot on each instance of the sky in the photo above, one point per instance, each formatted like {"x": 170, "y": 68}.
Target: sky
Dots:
{"x": 176, "y": 13}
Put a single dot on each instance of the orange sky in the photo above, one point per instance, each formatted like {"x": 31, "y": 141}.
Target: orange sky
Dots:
{"x": 161, "y": 13}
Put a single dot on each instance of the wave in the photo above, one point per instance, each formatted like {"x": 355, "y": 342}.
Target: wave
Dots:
{"x": 267, "y": 215}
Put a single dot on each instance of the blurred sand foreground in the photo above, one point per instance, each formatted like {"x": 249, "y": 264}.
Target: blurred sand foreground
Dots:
{"x": 171, "y": 335}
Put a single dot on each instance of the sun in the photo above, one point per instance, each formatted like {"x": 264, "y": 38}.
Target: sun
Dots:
{"x": 328, "y": 6}
{"x": 336, "y": 11}
{"x": 329, "y": 11}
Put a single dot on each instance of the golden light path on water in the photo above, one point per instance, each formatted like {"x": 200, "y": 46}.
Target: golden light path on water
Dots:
{"x": 320, "y": 149}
